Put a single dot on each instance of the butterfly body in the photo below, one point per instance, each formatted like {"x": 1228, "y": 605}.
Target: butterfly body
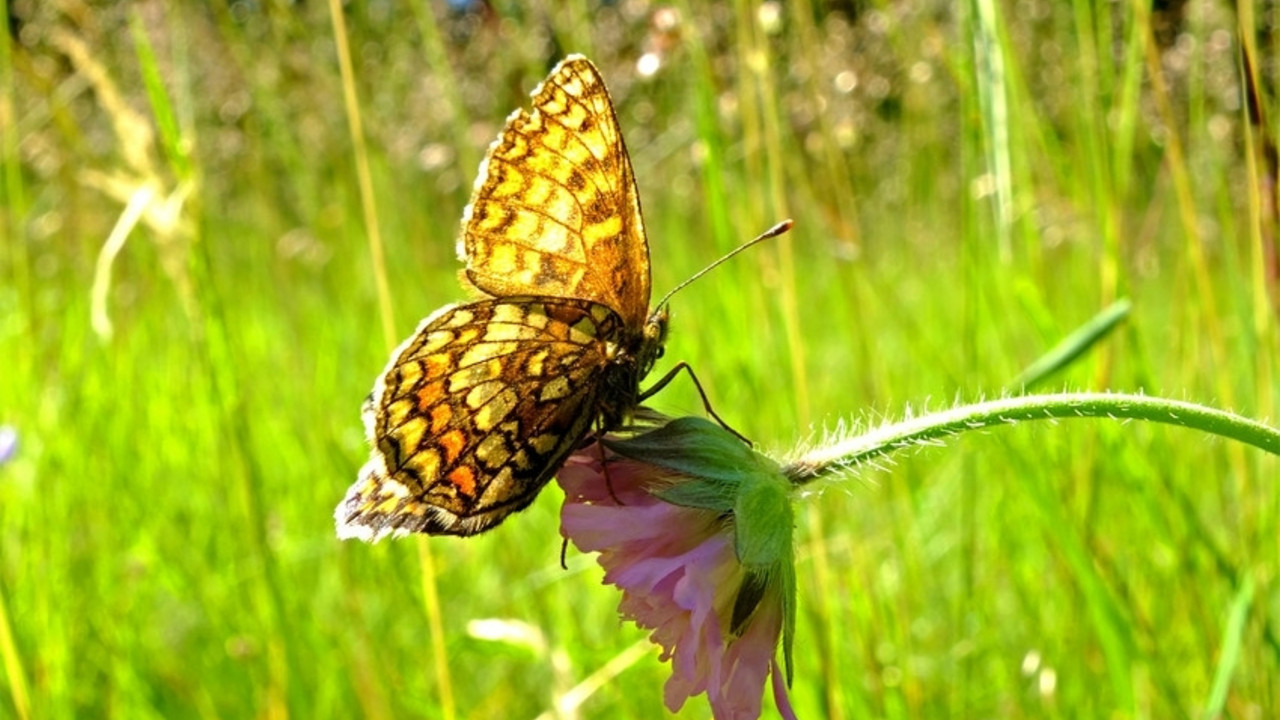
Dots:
{"x": 478, "y": 409}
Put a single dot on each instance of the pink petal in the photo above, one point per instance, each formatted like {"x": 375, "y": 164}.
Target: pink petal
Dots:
{"x": 780, "y": 696}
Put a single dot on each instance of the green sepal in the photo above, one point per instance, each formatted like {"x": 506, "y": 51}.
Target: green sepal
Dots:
{"x": 764, "y": 524}
{"x": 691, "y": 446}
{"x": 787, "y": 581}
{"x": 763, "y": 519}
{"x": 713, "y": 460}
{"x": 700, "y": 494}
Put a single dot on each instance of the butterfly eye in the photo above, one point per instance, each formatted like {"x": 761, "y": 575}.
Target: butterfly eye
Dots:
{"x": 661, "y": 351}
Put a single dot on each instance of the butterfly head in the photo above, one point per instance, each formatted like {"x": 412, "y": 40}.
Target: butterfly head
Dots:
{"x": 653, "y": 343}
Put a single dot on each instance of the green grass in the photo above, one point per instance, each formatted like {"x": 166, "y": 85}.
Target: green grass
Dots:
{"x": 977, "y": 185}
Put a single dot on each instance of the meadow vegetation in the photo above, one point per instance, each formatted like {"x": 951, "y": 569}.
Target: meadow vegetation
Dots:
{"x": 190, "y": 320}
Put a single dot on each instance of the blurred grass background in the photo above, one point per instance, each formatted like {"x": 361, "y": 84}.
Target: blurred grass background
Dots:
{"x": 189, "y": 321}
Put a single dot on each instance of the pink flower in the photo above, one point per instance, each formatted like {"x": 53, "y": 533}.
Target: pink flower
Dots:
{"x": 680, "y": 576}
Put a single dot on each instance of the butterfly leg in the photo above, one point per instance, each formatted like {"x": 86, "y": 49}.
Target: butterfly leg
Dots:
{"x": 706, "y": 403}
{"x": 604, "y": 470}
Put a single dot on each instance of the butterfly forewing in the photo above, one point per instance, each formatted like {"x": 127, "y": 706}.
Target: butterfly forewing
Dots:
{"x": 555, "y": 206}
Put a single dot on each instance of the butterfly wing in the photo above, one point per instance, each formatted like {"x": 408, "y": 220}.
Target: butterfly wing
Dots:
{"x": 476, "y": 412}
{"x": 555, "y": 209}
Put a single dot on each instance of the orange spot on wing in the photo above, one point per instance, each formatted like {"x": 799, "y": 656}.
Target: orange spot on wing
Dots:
{"x": 464, "y": 479}
{"x": 440, "y": 417}
{"x": 430, "y": 395}
{"x": 452, "y": 443}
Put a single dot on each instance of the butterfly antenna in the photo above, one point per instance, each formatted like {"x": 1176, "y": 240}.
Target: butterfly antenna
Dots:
{"x": 772, "y": 232}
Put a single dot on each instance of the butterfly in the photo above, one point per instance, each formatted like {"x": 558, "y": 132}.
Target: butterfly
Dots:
{"x": 479, "y": 408}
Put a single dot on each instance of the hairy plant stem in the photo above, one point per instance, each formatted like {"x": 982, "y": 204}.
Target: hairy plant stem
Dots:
{"x": 931, "y": 428}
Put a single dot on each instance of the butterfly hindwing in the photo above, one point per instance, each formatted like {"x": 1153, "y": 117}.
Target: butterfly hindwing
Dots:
{"x": 476, "y": 412}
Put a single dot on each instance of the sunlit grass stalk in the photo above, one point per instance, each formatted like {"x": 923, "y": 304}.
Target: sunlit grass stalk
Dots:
{"x": 1259, "y": 140}
{"x": 1110, "y": 621}
{"x": 1101, "y": 186}
{"x": 993, "y": 99}
{"x": 975, "y": 254}
{"x": 765, "y": 163}
{"x": 368, "y": 203}
{"x": 716, "y": 209}
{"x": 836, "y": 188}
{"x": 176, "y": 148}
{"x": 364, "y": 177}
{"x": 775, "y": 202}
{"x": 14, "y": 189}
{"x": 227, "y": 369}
{"x": 1232, "y": 641}
{"x": 1180, "y": 173}
{"x": 237, "y": 427}
{"x": 13, "y": 670}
